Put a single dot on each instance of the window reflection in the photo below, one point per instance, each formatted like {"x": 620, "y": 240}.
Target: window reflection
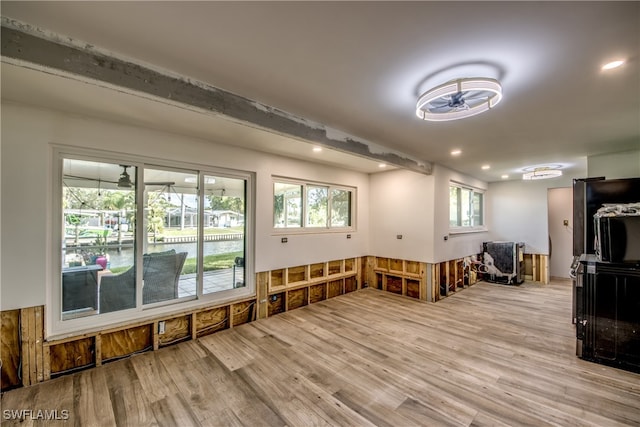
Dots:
{"x": 224, "y": 233}
{"x": 194, "y": 232}
{"x": 99, "y": 210}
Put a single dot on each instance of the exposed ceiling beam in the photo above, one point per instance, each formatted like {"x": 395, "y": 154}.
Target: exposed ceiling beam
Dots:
{"x": 35, "y": 48}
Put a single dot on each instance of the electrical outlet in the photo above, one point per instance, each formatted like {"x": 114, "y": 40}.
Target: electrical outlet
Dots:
{"x": 161, "y": 327}
{"x": 399, "y": 236}
{"x": 284, "y": 240}
{"x": 565, "y": 222}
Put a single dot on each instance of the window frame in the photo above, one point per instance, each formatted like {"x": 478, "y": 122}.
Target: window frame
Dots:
{"x": 57, "y": 326}
{"x": 304, "y": 228}
{"x": 473, "y": 228}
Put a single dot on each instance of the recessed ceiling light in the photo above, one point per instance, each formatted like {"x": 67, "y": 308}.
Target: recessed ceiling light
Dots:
{"x": 613, "y": 64}
{"x": 485, "y": 167}
{"x": 505, "y": 176}
{"x": 456, "y": 152}
{"x": 317, "y": 149}
{"x": 382, "y": 165}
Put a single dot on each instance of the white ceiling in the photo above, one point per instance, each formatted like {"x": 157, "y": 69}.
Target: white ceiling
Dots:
{"x": 359, "y": 66}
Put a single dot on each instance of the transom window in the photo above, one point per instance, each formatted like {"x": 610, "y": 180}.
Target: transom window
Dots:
{"x": 312, "y": 206}
{"x": 466, "y": 208}
{"x": 136, "y": 235}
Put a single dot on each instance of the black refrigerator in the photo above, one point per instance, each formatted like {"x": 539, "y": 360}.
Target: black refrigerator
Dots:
{"x": 608, "y": 313}
{"x": 589, "y": 194}
{"x": 606, "y": 295}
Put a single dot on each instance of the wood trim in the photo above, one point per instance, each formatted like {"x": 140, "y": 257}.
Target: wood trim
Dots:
{"x": 537, "y": 268}
{"x": 31, "y": 333}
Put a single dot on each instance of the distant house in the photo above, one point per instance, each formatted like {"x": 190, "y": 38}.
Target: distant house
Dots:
{"x": 189, "y": 218}
{"x": 225, "y": 219}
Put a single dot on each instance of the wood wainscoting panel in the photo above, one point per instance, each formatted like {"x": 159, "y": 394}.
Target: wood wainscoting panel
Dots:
{"x": 243, "y": 312}
{"x": 335, "y": 267}
{"x": 336, "y": 287}
{"x": 297, "y": 298}
{"x": 176, "y": 329}
{"x": 71, "y": 355}
{"x": 350, "y": 284}
{"x": 394, "y": 284}
{"x": 317, "y": 293}
{"x": 317, "y": 271}
{"x": 117, "y": 344}
{"x": 10, "y": 348}
{"x": 277, "y": 303}
{"x": 210, "y": 321}
{"x": 32, "y": 341}
{"x": 297, "y": 274}
{"x": 413, "y": 288}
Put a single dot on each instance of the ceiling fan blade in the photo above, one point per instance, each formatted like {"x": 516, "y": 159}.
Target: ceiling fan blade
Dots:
{"x": 476, "y": 94}
{"x": 161, "y": 183}
{"x": 441, "y": 108}
{"x": 84, "y": 178}
{"x": 438, "y": 102}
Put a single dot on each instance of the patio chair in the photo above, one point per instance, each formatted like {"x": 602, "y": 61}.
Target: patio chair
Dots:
{"x": 160, "y": 273}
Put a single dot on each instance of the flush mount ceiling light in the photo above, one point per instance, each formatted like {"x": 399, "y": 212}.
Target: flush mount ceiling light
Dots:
{"x": 458, "y": 99}
{"x": 541, "y": 173}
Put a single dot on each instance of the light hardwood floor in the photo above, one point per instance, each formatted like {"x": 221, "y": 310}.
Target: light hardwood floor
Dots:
{"x": 489, "y": 355}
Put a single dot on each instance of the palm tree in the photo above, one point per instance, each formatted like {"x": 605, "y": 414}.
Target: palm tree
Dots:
{"x": 122, "y": 202}
{"x": 156, "y": 213}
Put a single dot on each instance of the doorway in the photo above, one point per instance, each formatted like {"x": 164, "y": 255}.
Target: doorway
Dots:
{"x": 560, "y": 205}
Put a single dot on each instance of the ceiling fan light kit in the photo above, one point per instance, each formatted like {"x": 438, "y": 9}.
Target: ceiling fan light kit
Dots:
{"x": 458, "y": 99}
{"x": 541, "y": 173}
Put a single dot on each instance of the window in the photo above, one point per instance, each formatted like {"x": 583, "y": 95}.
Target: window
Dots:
{"x": 311, "y": 206}
{"x": 287, "y": 205}
{"x": 136, "y": 236}
{"x": 466, "y": 208}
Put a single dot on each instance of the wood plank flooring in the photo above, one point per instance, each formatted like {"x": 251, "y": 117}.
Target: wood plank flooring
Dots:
{"x": 490, "y": 355}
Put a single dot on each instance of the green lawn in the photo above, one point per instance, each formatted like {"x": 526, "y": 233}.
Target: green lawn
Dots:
{"x": 211, "y": 262}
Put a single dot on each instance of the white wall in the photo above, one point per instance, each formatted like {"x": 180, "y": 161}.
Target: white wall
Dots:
{"x": 616, "y": 165}
{"x": 457, "y": 245}
{"x": 401, "y": 203}
{"x": 416, "y": 206}
{"x": 560, "y": 202}
{"x": 518, "y": 211}
{"x": 27, "y": 135}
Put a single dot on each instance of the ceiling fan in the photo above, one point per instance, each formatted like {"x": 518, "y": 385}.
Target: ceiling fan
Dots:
{"x": 458, "y": 99}
{"x": 124, "y": 180}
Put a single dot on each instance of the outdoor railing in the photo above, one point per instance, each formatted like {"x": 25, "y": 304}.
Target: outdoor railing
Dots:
{"x": 207, "y": 238}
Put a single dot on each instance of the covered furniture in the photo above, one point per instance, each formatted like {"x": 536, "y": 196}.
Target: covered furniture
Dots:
{"x": 80, "y": 287}
{"x": 160, "y": 273}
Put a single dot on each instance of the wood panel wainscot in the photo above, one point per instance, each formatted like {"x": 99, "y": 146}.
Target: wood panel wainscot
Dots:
{"x": 25, "y": 357}
{"x": 399, "y": 276}
{"x": 10, "y": 348}
{"x": 28, "y": 359}
{"x": 297, "y": 286}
